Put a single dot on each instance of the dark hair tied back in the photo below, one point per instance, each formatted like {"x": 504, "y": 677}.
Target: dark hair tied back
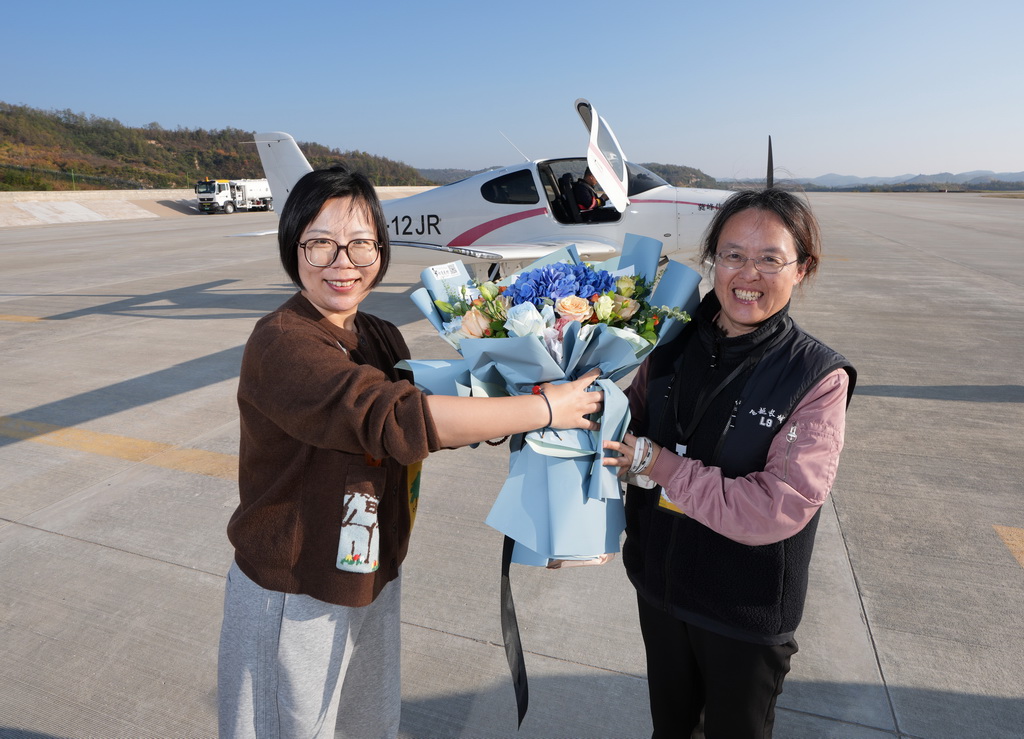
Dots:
{"x": 792, "y": 210}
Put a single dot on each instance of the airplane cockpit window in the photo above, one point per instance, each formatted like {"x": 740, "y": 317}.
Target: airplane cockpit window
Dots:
{"x": 515, "y": 188}
{"x": 558, "y": 176}
{"x": 642, "y": 179}
{"x": 639, "y": 179}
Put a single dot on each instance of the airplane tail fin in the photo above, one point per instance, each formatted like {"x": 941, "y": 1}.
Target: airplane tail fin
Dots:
{"x": 283, "y": 163}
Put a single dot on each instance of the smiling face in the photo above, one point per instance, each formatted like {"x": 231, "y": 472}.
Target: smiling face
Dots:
{"x": 337, "y": 290}
{"x": 749, "y": 297}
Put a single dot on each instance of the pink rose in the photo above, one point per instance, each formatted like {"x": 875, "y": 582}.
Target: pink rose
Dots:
{"x": 626, "y": 308}
{"x": 560, "y": 324}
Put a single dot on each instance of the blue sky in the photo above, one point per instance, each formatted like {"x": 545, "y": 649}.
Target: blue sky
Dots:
{"x": 863, "y": 88}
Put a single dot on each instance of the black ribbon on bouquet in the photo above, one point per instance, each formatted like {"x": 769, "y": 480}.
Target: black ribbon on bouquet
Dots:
{"x": 510, "y": 634}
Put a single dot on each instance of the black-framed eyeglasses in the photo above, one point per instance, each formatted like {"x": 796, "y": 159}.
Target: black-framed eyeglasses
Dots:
{"x": 766, "y": 265}
{"x": 323, "y": 252}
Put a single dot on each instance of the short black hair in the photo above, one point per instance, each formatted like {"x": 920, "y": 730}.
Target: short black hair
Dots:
{"x": 792, "y": 210}
{"x": 308, "y": 198}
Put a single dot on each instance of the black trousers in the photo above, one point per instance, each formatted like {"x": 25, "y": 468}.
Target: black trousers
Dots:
{"x": 692, "y": 670}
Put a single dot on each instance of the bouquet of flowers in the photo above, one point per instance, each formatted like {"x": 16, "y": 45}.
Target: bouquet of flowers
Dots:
{"x": 553, "y": 322}
{"x": 546, "y": 300}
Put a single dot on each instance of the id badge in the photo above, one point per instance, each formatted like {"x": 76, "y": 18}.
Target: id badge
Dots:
{"x": 663, "y": 502}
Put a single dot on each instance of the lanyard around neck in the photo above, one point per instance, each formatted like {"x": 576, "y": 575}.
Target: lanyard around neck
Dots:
{"x": 707, "y": 395}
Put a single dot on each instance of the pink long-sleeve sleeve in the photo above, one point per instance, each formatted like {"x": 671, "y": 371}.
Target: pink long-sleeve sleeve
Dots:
{"x": 774, "y": 504}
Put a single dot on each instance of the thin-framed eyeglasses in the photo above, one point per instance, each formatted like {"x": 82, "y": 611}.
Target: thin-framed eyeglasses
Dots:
{"x": 323, "y": 252}
{"x": 766, "y": 265}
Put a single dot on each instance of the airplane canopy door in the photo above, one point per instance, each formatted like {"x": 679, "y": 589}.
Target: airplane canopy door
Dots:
{"x": 604, "y": 156}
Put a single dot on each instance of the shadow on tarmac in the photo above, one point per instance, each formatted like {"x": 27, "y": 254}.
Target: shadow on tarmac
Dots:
{"x": 491, "y": 712}
{"x": 204, "y": 296}
{"x": 121, "y": 396}
{"x": 554, "y": 712}
{"x": 395, "y": 306}
{"x": 186, "y": 376}
{"x": 181, "y": 206}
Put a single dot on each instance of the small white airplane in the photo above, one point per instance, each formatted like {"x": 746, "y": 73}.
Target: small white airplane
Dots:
{"x": 509, "y": 217}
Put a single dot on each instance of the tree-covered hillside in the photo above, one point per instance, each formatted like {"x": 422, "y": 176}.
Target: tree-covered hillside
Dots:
{"x": 681, "y": 176}
{"x": 62, "y": 150}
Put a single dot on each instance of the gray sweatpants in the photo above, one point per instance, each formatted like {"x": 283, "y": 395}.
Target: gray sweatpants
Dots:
{"x": 287, "y": 662}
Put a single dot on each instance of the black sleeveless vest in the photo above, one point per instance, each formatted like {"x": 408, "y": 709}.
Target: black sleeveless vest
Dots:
{"x": 753, "y": 593}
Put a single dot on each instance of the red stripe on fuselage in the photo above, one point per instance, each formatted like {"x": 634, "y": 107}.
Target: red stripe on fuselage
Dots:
{"x": 469, "y": 237}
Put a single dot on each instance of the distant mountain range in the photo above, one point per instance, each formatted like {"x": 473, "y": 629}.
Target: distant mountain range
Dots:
{"x": 688, "y": 177}
{"x": 976, "y": 178}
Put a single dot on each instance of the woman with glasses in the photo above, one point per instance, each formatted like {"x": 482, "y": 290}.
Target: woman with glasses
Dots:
{"x": 737, "y": 429}
{"x": 331, "y": 440}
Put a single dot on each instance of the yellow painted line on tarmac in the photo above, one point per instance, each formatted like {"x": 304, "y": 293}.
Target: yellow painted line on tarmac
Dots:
{"x": 20, "y": 319}
{"x": 198, "y": 461}
{"x": 155, "y": 454}
{"x": 1014, "y": 540}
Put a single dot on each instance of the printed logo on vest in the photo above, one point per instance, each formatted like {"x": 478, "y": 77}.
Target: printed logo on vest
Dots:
{"x": 768, "y": 418}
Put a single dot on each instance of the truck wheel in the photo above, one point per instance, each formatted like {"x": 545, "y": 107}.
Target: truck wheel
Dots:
{"x": 229, "y": 208}
{"x": 270, "y": 205}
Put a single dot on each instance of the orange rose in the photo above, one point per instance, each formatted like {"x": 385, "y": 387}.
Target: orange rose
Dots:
{"x": 475, "y": 324}
{"x": 578, "y": 309}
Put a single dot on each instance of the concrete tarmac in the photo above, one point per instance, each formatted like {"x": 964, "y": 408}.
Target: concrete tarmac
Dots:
{"x": 121, "y": 341}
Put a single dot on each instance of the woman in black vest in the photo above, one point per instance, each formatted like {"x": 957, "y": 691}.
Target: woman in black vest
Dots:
{"x": 738, "y": 427}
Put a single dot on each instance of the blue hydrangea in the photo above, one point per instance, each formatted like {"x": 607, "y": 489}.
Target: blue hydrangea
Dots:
{"x": 592, "y": 281}
{"x": 555, "y": 281}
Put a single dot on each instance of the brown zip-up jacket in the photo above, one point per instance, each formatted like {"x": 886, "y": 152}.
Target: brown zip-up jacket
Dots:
{"x": 323, "y": 413}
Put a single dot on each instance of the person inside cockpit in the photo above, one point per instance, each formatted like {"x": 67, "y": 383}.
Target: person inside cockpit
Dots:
{"x": 589, "y": 201}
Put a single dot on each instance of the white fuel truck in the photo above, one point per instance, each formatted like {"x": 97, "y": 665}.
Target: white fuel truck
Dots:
{"x": 227, "y": 196}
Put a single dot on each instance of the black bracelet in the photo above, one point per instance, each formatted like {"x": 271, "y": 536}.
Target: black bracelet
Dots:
{"x": 538, "y": 390}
